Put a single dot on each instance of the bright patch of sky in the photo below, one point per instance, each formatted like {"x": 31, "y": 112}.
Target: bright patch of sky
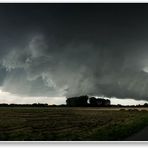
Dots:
{"x": 6, "y": 97}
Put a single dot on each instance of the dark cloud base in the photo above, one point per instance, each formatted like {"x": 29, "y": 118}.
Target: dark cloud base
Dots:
{"x": 74, "y": 49}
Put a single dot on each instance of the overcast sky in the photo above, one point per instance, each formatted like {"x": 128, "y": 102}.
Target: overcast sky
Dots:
{"x": 61, "y": 50}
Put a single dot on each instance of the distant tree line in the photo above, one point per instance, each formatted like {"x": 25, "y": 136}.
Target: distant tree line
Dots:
{"x": 25, "y": 105}
{"x": 84, "y": 101}
{"x": 30, "y": 105}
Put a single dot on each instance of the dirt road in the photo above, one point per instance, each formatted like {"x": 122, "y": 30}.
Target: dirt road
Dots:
{"x": 140, "y": 136}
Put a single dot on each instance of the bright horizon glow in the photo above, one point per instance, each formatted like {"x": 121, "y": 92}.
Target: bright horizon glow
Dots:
{"x": 115, "y": 101}
{"x": 127, "y": 101}
{"x": 7, "y": 97}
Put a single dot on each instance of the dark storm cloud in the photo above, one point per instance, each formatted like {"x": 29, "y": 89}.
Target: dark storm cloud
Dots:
{"x": 75, "y": 49}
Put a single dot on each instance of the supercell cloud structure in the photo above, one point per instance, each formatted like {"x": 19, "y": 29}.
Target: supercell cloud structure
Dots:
{"x": 56, "y": 50}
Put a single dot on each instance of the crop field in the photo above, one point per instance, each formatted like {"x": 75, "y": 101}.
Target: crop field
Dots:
{"x": 69, "y": 124}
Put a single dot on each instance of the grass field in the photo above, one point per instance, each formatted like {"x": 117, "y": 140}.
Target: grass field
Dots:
{"x": 56, "y": 124}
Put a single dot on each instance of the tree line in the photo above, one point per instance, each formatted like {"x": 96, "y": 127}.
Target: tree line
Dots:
{"x": 30, "y": 105}
{"x": 81, "y": 101}
{"x": 85, "y": 101}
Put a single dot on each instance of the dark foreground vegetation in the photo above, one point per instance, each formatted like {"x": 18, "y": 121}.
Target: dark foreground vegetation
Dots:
{"x": 64, "y": 123}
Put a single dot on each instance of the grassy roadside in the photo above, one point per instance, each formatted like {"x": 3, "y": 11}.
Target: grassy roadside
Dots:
{"x": 118, "y": 131}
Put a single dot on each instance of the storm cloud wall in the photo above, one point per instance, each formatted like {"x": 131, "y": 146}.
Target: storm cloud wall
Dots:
{"x": 75, "y": 49}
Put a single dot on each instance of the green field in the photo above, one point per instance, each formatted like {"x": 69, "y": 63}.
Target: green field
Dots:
{"x": 66, "y": 124}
